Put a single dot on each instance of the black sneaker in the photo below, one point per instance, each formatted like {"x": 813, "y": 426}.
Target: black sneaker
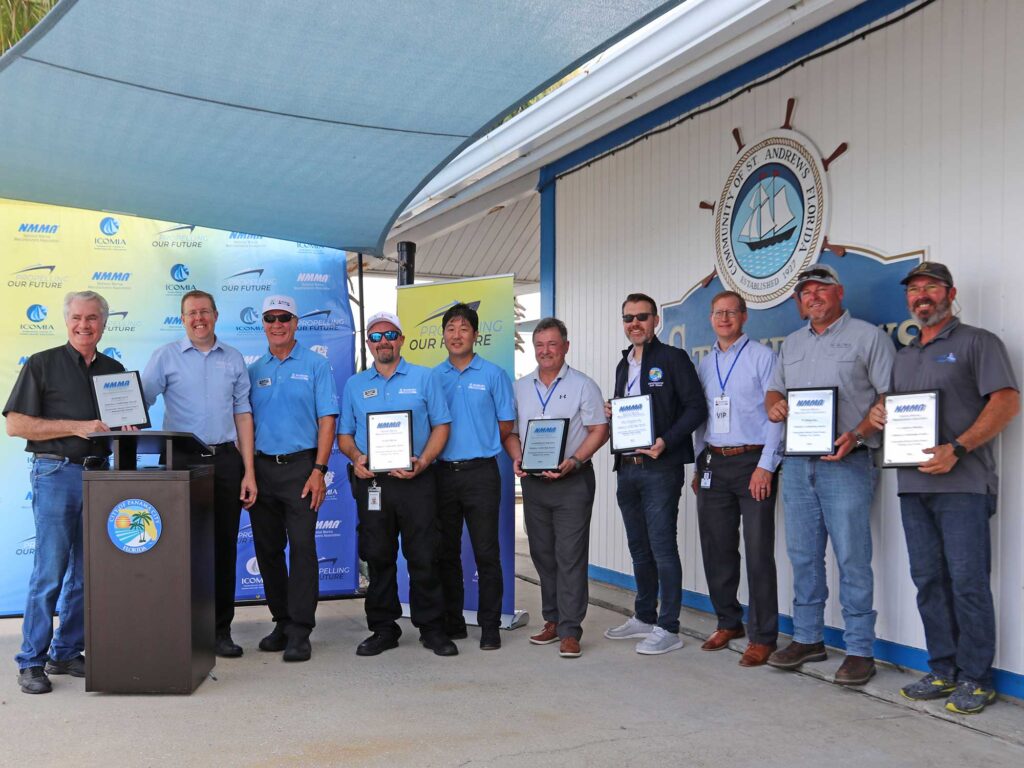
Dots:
{"x": 970, "y": 698}
{"x": 276, "y": 641}
{"x": 34, "y": 680}
{"x": 298, "y": 649}
{"x": 74, "y": 666}
{"x": 376, "y": 644}
{"x": 440, "y": 644}
{"x": 228, "y": 648}
{"x": 931, "y": 686}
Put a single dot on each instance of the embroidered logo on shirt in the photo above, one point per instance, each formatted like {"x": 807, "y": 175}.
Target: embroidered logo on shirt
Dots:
{"x": 949, "y": 357}
{"x": 481, "y": 387}
{"x": 407, "y": 391}
{"x": 264, "y": 382}
{"x": 655, "y": 374}
{"x": 369, "y": 393}
{"x": 300, "y": 376}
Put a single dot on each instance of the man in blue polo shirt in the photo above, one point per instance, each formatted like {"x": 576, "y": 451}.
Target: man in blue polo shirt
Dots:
{"x": 479, "y": 396}
{"x": 402, "y": 501}
{"x": 295, "y": 406}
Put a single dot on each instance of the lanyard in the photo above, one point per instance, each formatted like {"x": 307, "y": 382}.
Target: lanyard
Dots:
{"x": 629, "y": 387}
{"x": 734, "y": 361}
{"x": 545, "y": 400}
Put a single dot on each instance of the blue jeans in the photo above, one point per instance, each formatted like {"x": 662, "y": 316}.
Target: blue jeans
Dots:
{"x": 950, "y": 550}
{"x": 648, "y": 495}
{"x": 822, "y": 500}
{"x": 58, "y": 565}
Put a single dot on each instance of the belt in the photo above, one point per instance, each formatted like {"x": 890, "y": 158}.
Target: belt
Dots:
{"x": 287, "y": 458}
{"x": 634, "y": 458}
{"x": 734, "y": 450}
{"x": 223, "y": 447}
{"x": 88, "y": 461}
{"x": 458, "y": 466}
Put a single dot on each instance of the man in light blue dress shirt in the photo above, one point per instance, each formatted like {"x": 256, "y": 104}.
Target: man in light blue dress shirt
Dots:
{"x": 205, "y": 387}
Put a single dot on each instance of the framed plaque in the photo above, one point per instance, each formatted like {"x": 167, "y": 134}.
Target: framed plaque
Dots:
{"x": 544, "y": 445}
{"x": 811, "y": 424}
{"x": 632, "y": 423}
{"x": 912, "y": 424}
{"x": 389, "y": 441}
{"x": 119, "y": 400}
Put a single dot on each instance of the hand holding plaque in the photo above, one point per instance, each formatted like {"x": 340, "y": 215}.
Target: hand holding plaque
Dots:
{"x": 632, "y": 423}
{"x": 119, "y": 400}
{"x": 811, "y": 423}
{"x": 912, "y": 424}
{"x": 389, "y": 441}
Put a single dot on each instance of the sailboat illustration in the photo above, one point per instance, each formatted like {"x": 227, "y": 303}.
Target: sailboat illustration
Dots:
{"x": 770, "y": 221}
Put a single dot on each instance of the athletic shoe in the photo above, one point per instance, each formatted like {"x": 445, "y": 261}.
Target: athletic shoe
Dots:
{"x": 970, "y": 698}
{"x": 632, "y": 628}
{"x": 931, "y": 686}
{"x": 659, "y": 642}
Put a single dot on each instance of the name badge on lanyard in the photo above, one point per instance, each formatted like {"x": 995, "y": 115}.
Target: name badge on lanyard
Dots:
{"x": 373, "y": 498}
{"x": 720, "y": 417}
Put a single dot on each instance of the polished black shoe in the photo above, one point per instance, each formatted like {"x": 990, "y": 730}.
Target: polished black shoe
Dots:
{"x": 490, "y": 639}
{"x": 74, "y": 667}
{"x": 276, "y": 641}
{"x": 440, "y": 644}
{"x": 376, "y": 644}
{"x": 298, "y": 649}
{"x": 228, "y": 648}
{"x": 34, "y": 680}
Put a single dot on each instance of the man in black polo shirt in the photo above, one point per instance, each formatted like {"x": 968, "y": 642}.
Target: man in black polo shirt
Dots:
{"x": 52, "y": 407}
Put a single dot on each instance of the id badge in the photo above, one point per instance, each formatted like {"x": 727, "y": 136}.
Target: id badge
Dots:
{"x": 705, "y": 479}
{"x": 373, "y": 499}
{"x": 720, "y": 422}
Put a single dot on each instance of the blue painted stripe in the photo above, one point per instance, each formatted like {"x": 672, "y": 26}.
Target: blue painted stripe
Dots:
{"x": 1008, "y": 683}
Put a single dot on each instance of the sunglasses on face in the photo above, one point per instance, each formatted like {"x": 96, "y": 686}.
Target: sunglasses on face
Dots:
{"x": 270, "y": 319}
{"x": 643, "y": 317}
{"x": 376, "y": 336}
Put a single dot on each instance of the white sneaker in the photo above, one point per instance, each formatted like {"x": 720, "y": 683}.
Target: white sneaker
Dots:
{"x": 658, "y": 642}
{"x": 632, "y": 628}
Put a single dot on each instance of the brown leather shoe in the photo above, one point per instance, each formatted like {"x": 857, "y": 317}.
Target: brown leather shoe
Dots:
{"x": 855, "y": 670}
{"x": 569, "y": 648}
{"x": 720, "y": 639}
{"x": 547, "y": 635}
{"x": 756, "y": 654}
{"x": 795, "y": 654}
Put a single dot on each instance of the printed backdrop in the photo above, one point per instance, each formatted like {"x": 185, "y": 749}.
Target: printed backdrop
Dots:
{"x": 142, "y": 267}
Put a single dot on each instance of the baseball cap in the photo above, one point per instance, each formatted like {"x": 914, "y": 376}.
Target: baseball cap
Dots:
{"x": 284, "y": 303}
{"x": 930, "y": 269}
{"x": 384, "y": 317}
{"x": 819, "y": 273}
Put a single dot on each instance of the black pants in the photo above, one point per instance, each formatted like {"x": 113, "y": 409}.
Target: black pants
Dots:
{"x": 719, "y": 511}
{"x": 281, "y": 517}
{"x": 472, "y": 495}
{"x": 409, "y": 508}
{"x": 227, "y": 510}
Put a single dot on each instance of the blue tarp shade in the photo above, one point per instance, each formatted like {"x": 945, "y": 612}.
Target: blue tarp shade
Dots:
{"x": 308, "y": 121}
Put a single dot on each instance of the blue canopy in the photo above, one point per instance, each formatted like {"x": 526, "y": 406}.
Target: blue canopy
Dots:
{"x": 302, "y": 120}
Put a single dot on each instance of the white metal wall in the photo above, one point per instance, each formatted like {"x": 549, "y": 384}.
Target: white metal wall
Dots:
{"x": 932, "y": 108}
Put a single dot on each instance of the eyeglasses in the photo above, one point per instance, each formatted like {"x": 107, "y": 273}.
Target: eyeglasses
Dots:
{"x": 809, "y": 274}
{"x": 285, "y": 317}
{"x": 376, "y": 336}
{"x": 643, "y": 317}
{"x": 914, "y": 290}
{"x": 199, "y": 313}
{"x": 725, "y": 314}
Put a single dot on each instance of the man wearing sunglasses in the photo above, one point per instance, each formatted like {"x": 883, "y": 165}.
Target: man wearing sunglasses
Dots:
{"x": 402, "y": 502}
{"x": 294, "y": 406}
{"x": 830, "y": 497}
{"x": 205, "y": 387}
{"x": 650, "y": 480}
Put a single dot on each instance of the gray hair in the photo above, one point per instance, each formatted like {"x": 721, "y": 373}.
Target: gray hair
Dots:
{"x": 86, "y": 296}
{"x": 552, "y": 322}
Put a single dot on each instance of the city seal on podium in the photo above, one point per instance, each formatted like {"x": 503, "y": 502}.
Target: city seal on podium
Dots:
{"x": 134, "y": 526}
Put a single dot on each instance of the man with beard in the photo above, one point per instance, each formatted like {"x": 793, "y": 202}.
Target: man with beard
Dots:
{"x": 946, "y": 502}
{"x": 830, "y": 497}
{"x": 400, "y": 502}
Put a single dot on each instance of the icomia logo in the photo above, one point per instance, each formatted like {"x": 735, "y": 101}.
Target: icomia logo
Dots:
{"x": 179, "y": 273}
{"x": 36, "y": 313}
{"x": 249, "y": 316}
{"x": 111, "y": 277}
{"x": 395, "y": 425}
{"x": 39, "y": 229}
{"x": 809, "y": 403}
{"x": 113, "y": 352}
{"x": 109, "y": 226}
{"x": 116, "y": 384}
{"x": 910, "y": 408}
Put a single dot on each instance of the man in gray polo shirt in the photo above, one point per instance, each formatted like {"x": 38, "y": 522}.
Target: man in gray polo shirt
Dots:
{"x": 830, "y": 497}
{"x": 557, "y": 505}
{"x": 946, "y": 502}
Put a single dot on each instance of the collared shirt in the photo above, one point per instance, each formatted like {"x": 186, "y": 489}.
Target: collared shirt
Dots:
{"x": 289, "y": 397}
{"x": 202, "y": 390}
{"x": 411, "y": 388}
{"x": 479, "y": 396}
{"x": 633, "y": 373}
{"x": 965, "y": 364}
{"x": 852, "y": 355}
{"x": 746, "y": 368}
{"x": 57, "y": 384}
{"x": 574, "y": 396}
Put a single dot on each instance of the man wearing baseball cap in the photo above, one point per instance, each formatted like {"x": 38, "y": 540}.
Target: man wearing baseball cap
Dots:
{"x": 829, "y": 497}
{"x": 400, "y": 502}
{"x": 946, "y": 502}
{"x": 294, "y": 406}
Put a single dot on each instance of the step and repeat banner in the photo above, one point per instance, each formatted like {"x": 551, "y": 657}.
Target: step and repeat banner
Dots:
{"x": 143, "y": 267}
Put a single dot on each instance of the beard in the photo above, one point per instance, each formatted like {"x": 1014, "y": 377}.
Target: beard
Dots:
{"x": 940, "y": 311}
{"x": 385, "y": 355}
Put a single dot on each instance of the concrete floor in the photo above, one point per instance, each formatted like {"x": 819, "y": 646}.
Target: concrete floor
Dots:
{"x": 522, "y": 706}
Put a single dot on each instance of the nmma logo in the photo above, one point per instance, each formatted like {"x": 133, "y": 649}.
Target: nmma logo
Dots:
{"x": 116, "y": 384}
{"x": 111, "y": 277}
{"x": 173, "y": 321}
{"x": 910, "y": 408}
{"x": 809, "y": 403}
{"x": 625, "y": 408}
{"x": 312, "y": 277}
{"x": 543, "y": 430}
{"x": 39, "y": 229}
{"x": 397, "y": 424}
{"x": 328, "y": 525}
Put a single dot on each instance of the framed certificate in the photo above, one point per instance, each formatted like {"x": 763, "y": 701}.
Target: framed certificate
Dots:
{"x": 389, "y": 441}
{"x": 119, "y": 400}
{"x": 912, "y": 425}
{"x": 632, "y": 423}
{"x": 811, "y": 424}
{"x": 544, "y": 445}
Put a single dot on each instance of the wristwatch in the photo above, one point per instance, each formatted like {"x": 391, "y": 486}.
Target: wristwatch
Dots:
{"x": 321, "y": 467}
{"x": 577, "y": 462}
{"x": 859, "y": 438}
{"x": 958, "y": 450}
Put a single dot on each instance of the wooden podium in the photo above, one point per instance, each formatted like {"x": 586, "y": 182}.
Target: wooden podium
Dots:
{"x": 149, "y": 591}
